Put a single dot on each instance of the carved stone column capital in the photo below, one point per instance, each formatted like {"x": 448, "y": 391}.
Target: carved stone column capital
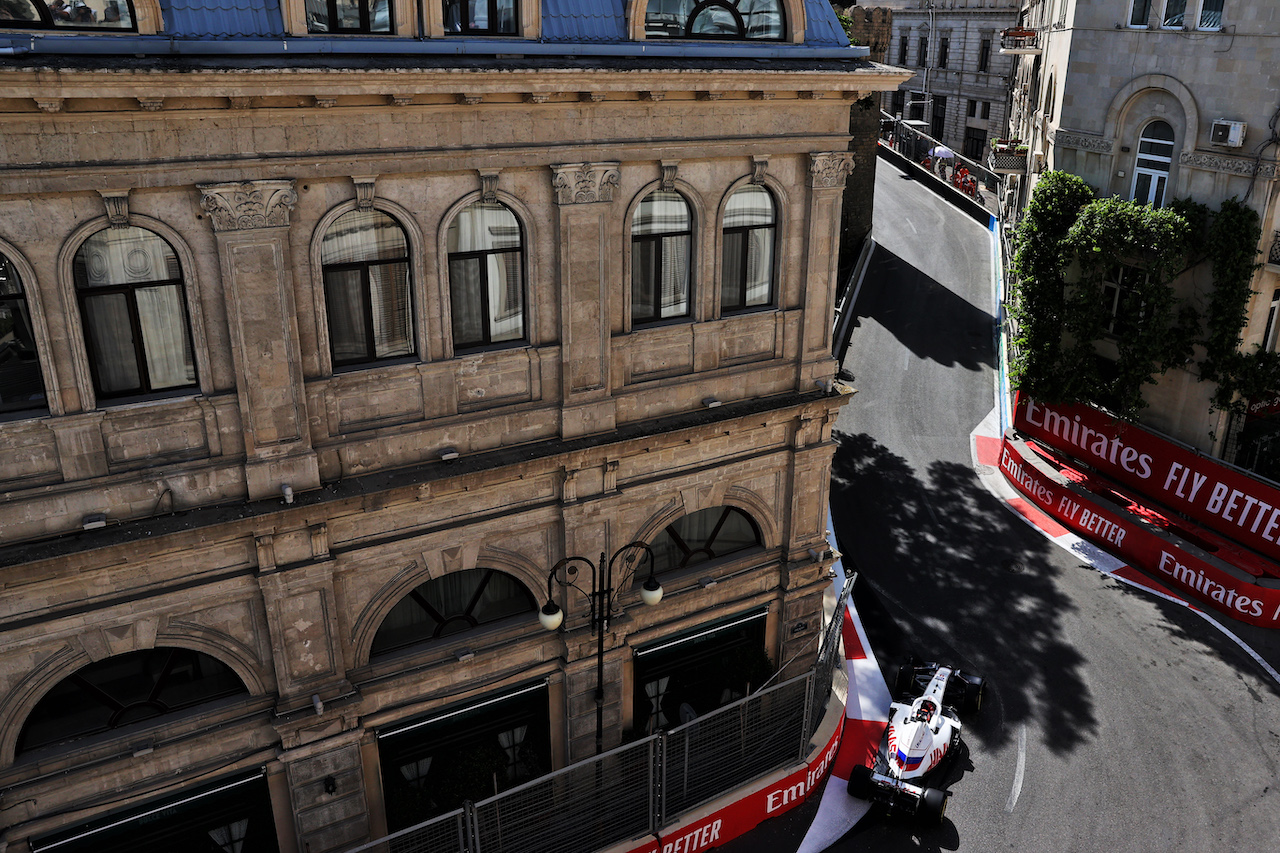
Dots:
{"x": 828, "y": 169}
{"x": 245, "y": 205}
{"x": 584, "y": 183}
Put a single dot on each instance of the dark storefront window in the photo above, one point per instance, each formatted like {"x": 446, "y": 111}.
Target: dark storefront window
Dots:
{"x": 229, "y": 816}
{"x": 431, "y": 765}
{"x": 682, "y": 677}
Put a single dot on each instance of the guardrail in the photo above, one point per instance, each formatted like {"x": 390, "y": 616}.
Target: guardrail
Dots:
{"x": 639, "y": 788}
{"x": 968, "y": 176}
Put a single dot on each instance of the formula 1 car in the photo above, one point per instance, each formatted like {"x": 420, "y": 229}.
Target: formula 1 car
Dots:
{"x": 922, "y": 735}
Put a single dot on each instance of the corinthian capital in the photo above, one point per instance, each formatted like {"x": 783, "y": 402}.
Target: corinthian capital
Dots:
{"x": 583, "y": 183}
{"x": 244, "y": 205}
{"x": 829, "y": 168}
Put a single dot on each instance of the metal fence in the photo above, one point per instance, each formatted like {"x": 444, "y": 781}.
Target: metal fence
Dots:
{"x": 914, "y": 144}
{"x": 636, "y": 789}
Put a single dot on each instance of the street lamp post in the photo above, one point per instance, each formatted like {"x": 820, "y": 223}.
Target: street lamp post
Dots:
{"x": 602, "y": 600}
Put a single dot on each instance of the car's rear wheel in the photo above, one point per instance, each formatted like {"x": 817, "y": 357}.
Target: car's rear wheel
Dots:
{"x": 860, "y": 784}
{"x": 974, "y": 689}
{"x": 933, "y": 805}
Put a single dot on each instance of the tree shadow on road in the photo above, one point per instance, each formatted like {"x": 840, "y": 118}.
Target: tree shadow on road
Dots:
{"x": 964, "y": 582}
{"x": 925, "y": 315}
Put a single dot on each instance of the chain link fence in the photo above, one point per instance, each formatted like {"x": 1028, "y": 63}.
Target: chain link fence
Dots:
{"x": 635, "y": 790}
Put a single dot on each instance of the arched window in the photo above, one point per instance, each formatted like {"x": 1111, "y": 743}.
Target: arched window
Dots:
{"x": 715, "y": 19}
{"x": 456, "y": 602}
{"x": 21, "y": 385}
{"x": 134, "y": 310}
{"x": 486, "y": 276}
{"x": 661, "y": 237}
{"x": 365, "y": 258}
{"x": 749, "y": 229}
{"x": 126, "y": 689}
{"x": 1151, "y": 171}
{"x": 707, "y": 534}
{"x": 348, "y": 16}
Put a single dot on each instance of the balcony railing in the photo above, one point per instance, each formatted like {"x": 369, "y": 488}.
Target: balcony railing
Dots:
{"x": 1022, "y": 40}
{"x": 1273, "y": 257}
{"x": 1008, "y": 157}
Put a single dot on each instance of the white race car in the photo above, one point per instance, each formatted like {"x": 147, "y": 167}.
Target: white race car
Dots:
{"x": 923, "y": 732}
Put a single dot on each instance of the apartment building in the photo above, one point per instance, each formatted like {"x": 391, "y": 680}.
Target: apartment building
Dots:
{"x": 330, "y": 330}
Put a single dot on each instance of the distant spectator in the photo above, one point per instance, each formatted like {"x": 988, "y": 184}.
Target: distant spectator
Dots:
{"x": 59, "y": 10}
{"x": 111, "y": 15}
{"x": 82, "y": 14}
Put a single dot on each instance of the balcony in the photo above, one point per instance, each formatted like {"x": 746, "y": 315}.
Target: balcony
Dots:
{"x": 1008, "y": 157}
{"x": 1020, "y": 40}
{"x": 1273, "y": 256}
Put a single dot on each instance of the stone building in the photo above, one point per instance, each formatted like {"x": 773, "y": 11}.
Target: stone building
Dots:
{"x": 1153, "y": 100}
{"x": 961, "y": 83}
{"x": 329, "y": 329}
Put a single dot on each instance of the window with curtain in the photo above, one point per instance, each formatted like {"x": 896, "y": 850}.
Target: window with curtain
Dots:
{"x": 707, "y": 534}
{"x": 715, "y": 19}
{"x": 365, "y": 261}
{"x": 451, "y": 604}
{"x": 1211, "y": 15}
{"x": 1175, "y": 13}
{"x": 481, "y": 17}
{"x": 1139, "y": 12}
{"x": 349, "y": 16}
{"x": 21, "y": 384}
{"x": 749, "y": 229}
{"x": 134, "y": 312}
{"x": 661, "y": 238}
{"x": 125, "y": 689}
{"x": 485, "y": 244}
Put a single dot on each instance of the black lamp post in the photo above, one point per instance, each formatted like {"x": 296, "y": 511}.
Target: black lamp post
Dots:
{"x": 601, "y": 598}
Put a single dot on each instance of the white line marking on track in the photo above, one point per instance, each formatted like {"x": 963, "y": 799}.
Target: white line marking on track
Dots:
{"x": 1018, "y": 770}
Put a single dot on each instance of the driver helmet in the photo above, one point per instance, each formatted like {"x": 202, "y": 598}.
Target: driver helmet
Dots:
{"x": 926, "y": 711}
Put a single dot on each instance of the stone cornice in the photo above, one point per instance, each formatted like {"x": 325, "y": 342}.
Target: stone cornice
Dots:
{"x": 1212, "y": 162}
{"x": 1082, "y": 142}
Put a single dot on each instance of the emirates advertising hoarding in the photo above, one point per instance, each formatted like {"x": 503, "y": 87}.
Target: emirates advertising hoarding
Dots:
{"x": 1143, "y": 548}
{"x": 1239, "y": 507}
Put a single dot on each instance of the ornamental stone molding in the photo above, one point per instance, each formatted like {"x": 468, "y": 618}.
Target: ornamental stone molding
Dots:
{"x": 759, "y": 165}
{"x": 829, "y": 168}
{"x": 245, "y": 205}
{"x": 117, "y": 202}
{"x": 585, "y": 183}
{"x": 669, "y": 168}
{"x": 1228, "y": 165}
{"x": 1081, "y": 142}
{"x": 489, "y": 185}
{"x": 366, "y": 189}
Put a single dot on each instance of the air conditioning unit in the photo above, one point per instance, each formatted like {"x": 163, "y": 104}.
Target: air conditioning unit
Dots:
{"x": 1228, "y": 133}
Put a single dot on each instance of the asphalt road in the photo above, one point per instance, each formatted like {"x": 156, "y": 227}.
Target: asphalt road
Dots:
{"x": 1113, "y": 721}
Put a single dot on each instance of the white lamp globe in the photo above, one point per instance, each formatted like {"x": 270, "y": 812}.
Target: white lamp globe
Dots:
{"x": 651, "y": 592}
{"x": 550, "y": 616}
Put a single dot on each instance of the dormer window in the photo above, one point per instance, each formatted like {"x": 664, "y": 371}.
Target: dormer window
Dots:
{"x": 715, "y": 19}
{"x": 69, "y": 14}
{"x": 481, "y": 17}
{"x": 349, "y": 16}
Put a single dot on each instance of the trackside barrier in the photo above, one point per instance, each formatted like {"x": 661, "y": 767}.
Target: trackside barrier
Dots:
{"x": 915, "y": 145}
{"x": 636, "y": 790}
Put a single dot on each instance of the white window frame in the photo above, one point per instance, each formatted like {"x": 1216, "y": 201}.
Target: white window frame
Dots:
{"x": 1133, "y": 4}
{"x": 1153, "y": 199}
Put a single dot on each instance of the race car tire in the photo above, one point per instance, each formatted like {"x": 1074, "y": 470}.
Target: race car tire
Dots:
{"x": 933, "y": 805}
{"x": 904, "y": 681}
{"x": 860, "y": 784}
{"x": 974, "y": 689}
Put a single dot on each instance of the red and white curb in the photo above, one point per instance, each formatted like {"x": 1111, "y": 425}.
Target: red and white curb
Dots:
{"x": 984, "y": 443}
{"x": 866, "y": 714}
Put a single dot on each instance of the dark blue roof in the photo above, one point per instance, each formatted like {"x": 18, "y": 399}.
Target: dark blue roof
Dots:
{"x": 222, "y": 18}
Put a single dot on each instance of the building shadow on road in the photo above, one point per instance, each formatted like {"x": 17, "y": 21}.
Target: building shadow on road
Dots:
{"x": 961, "y": 580}
{"x": 924, "y": 315}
